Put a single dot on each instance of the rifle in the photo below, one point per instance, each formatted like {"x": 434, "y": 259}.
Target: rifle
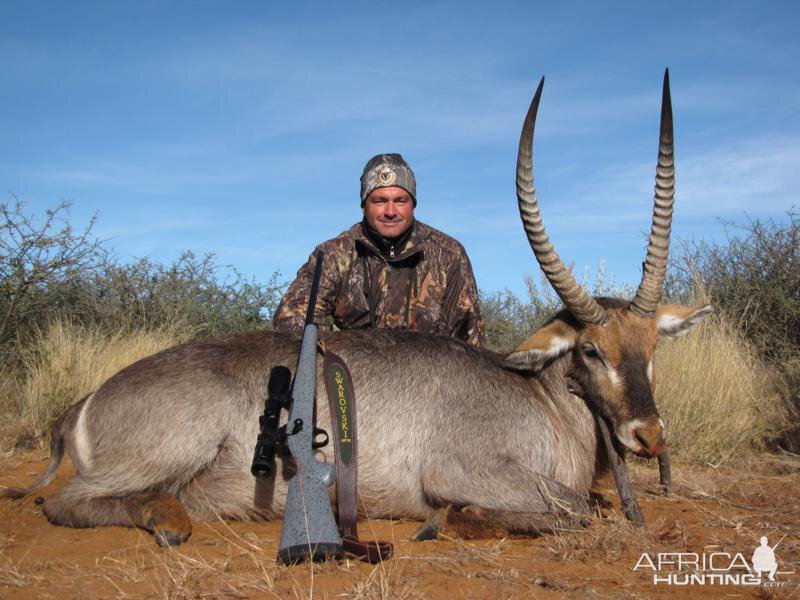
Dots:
{"x": 309, "y": 528}
{"x": 779, "y": 542}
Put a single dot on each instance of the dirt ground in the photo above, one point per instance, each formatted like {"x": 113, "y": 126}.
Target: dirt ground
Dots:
{"x": 722, "y": 510}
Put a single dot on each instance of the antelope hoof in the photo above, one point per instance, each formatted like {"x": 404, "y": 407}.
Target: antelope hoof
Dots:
{"x": 425, "y": 533}
{"x": 166, "y": 539}
{"x": 164, "y": 517}
{"x": 597, "y": 499}
{"x": 429, "y": 530}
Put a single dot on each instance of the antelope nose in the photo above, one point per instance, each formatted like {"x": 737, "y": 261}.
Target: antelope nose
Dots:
{"x": 647, "y": 437}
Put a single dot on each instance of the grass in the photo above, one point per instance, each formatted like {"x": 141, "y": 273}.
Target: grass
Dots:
{"x": 718, "y": 398}
{"x": 64, "y": 363}
{"x": 12, "y": 576}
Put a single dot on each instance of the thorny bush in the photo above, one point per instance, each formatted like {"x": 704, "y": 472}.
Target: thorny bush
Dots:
{"x": 50, "y": 270}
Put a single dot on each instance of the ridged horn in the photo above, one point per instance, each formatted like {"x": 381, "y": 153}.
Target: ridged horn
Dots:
{"x": 655, "y": 264}
{"x": 583, "y": 307}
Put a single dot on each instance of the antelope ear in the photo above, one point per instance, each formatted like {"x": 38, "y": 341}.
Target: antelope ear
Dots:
{"x": 550, "y": 342}
{"x": 673, "y": 321}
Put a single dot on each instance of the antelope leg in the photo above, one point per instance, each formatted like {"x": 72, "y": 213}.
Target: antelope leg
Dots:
{"x": 664, "y": 472}
{"x": 626, "y": 494}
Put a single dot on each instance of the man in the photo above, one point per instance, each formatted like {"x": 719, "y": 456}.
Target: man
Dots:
{"x": 390, "y": 270}
{"x": 764, "y": 559}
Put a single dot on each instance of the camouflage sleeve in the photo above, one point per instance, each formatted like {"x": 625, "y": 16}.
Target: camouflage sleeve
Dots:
{"x": 291, "y": 312}
{"x": 468, "y": 325}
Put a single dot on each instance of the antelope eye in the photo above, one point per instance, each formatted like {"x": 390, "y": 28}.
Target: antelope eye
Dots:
{"x": 590, "y": 350}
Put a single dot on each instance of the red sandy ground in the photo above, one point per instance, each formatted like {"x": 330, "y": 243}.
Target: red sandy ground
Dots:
{"x": 724, "y": 510}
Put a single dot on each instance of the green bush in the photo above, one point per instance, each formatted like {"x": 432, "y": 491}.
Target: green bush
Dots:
{"x": 754, "y": 279}
{"x": 510, "y": 320}
{"x": 48, "y": 271}
{"x": 191, "y": 291}
{"x": 38, "y": 263}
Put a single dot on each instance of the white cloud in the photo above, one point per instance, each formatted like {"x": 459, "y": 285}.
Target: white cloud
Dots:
{"x": 759, "y": 175}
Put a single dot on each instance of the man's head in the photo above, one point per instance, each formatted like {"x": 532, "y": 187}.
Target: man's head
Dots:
{"x": 388, "y": 194}
{"x": 389, "y": 211}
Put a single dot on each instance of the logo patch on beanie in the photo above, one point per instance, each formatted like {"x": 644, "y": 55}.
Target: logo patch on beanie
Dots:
{"x": 386, "y": 176}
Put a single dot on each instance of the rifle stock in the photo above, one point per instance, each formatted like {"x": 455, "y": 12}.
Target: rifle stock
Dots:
{"x": 309, "y": 527}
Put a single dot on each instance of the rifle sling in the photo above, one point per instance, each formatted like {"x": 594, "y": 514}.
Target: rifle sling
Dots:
{"x": 342, "y": 403}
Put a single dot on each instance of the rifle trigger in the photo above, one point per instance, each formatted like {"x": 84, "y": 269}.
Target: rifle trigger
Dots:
{"x": 315, "y": 445}
{"x": 297, "y": 427}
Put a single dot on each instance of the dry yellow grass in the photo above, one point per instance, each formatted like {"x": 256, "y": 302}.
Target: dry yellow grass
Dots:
{"x": 716, "y": 396}
{"x": 65, "y": 363}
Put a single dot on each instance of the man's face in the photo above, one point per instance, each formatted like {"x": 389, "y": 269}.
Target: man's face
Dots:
{"x": 389, "y": 211}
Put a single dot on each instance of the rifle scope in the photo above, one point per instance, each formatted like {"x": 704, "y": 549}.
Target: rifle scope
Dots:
{"x": 269, "y": 438}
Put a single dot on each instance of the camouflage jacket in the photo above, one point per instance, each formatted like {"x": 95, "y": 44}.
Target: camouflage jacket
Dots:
{"x": 428, "y": 287}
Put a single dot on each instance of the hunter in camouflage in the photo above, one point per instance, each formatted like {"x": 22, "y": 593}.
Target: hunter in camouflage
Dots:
{"x": 389, "y": 271}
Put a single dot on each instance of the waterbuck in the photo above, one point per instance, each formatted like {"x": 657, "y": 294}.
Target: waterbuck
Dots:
{"x": 441, "y": 423}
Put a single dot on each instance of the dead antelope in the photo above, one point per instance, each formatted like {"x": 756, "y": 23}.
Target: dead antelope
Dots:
{"x": 440, "y": 423}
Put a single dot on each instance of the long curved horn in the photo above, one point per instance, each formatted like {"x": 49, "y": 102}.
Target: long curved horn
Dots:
{"x": 581, "y": 305}
{"x": 655, "y": 265}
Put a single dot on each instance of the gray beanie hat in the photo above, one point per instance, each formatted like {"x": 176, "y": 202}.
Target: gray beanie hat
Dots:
{"x": 386, "y": 170}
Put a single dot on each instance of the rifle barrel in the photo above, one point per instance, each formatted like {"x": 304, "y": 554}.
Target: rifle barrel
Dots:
{"x": 312, "y": 300}
{"x": 779, "y": 541}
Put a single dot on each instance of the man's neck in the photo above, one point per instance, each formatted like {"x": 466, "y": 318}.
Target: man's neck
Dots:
{"x": 388, "y": 247}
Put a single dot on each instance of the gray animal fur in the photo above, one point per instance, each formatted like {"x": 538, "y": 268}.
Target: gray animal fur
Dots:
{"x": 440, "y": 422}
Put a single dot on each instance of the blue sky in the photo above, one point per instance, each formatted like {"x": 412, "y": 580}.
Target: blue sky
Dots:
{"x": 241, "y": 128}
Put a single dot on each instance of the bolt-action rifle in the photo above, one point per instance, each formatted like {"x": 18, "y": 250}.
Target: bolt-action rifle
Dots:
{"x": 309, "y": 527}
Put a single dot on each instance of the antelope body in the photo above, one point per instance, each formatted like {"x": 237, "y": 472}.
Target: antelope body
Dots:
{"x": 439, "y": 422}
